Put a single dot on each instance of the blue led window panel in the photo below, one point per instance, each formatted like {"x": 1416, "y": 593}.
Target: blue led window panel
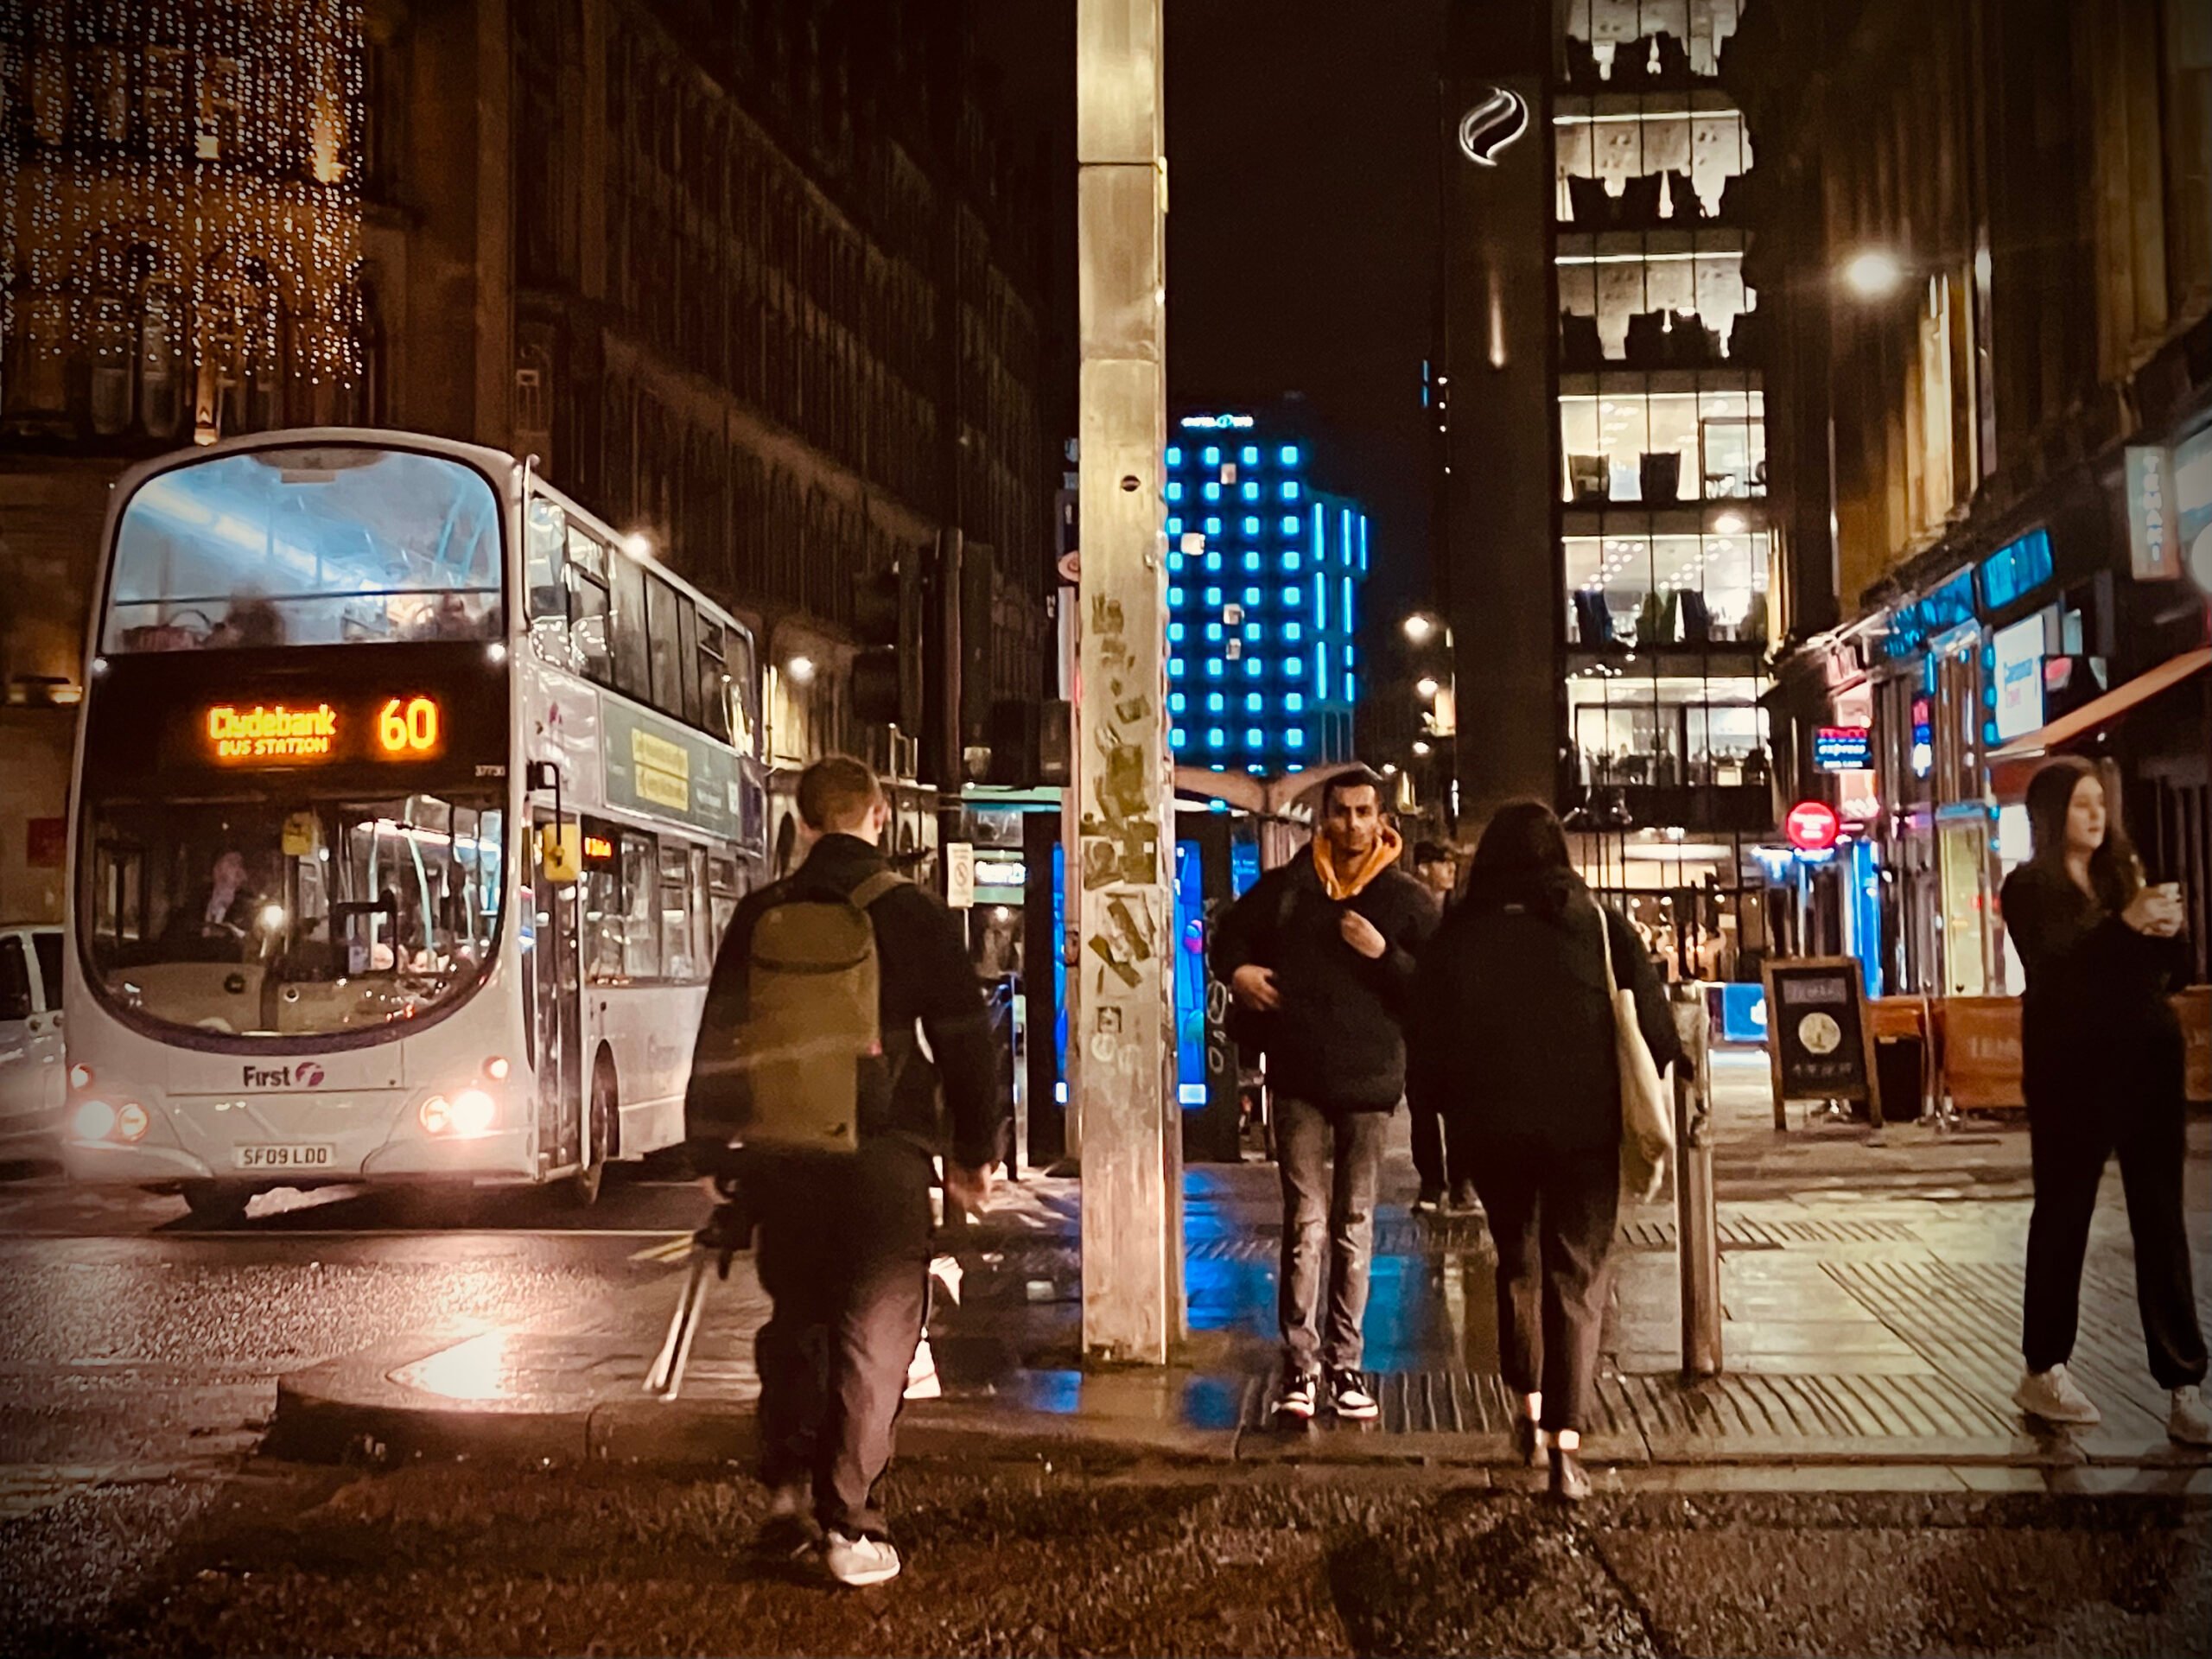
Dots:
{"x": 1174, "y": 595}
{"x": 1291, "y": 561}
{"x": 1252, "y": 597}
{"x": 1212, "y": 456}
{"x": 1174, "y": 492}
{"x": 1295, "y": 737}
{"x": 1251, "y": 491}
{"x": 1289, "y": 525}
{"x": 1251, "y": 560}
{"x": 1290, "y": 490}
{"x": 1217, "y": 738}
{"x": 1254, "y": 738}
{"x": 1177, "y": 702}
{"x": 1295, "y": 702}
{"x": 1174, "y": 454}
{"x": 1213, "y": 526}
{"x": 1289, "y": 454}
{"x": 1177, "y": 737}
{"x": 2015, "y": 570}
{"x": 1251, "y": 526}
{"x": 1254, "y": 667}
{"x": 1215, "y": 702}
{"x": 1213, "y": 561}
{"x": 1250, "y": 454}
{"x": 1213, "y": 492}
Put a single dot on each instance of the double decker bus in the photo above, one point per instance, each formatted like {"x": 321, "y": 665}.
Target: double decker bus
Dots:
{"x": 410, "y": 805}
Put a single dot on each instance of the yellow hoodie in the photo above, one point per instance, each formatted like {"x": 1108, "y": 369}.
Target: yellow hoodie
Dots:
{"x": 1341, "y": 886}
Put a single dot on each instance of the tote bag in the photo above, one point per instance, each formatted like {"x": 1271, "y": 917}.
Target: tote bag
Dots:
{"x": 1647, "y": 1114}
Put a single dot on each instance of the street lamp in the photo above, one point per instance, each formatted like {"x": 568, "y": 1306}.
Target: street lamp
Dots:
{"x": 1426, "y": 685}
{"x": 1874, "y": 273}
{"x": 1421, "y": 746}
{"x": 638, "y": 544}
{"x": 801, "y": 669}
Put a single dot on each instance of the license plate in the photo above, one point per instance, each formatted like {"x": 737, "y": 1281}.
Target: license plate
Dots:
{"x": 313, "y": 1156}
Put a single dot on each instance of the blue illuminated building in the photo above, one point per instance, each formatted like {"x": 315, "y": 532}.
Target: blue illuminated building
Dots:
{"x": 1263, "y": 578}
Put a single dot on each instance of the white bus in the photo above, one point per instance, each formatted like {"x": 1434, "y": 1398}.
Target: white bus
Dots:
{"x": 409, "y": 806}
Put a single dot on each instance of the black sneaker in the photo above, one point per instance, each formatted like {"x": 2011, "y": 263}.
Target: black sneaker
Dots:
{"x": 1570, "y": 1482}
{"x": 1295, "y": 1404}
{"x": 1348, "y": 1398}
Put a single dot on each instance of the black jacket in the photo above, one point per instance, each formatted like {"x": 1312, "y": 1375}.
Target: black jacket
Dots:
{"x": 1338, "y": 1039}
{"x": 2095, "y": 1021}
{"x": 924, "y": 977}
{"x": 1513, "y": 1035}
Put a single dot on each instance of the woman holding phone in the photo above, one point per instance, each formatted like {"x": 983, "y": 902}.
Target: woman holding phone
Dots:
{"x": 2102, "y": 1068}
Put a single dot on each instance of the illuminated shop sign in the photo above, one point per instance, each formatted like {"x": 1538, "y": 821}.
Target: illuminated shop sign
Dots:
{"x": 1927, "y": 617}
{"x": 1812, "y": 826}
{"x": 403, "y": 727}
{"x": 2015, "y": 570}
{"x": 1216, "y": 423}
{"x": 1842, "y": 748}
{"x": 2153, "y": 532}
{"x": 2015, "y": 671}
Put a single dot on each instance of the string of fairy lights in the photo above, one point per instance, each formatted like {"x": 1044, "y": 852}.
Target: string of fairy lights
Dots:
{"x": 181, "y": 179}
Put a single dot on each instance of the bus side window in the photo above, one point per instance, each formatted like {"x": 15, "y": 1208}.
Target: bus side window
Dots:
{"x": 544, "y": 555}
{"x": 588, "y": 605}
{"x": 687, "y": 653}
{"x": 640, "y": 900}
{"x": 679, "y": 940}
{"x": 632, "y": 671}
{"x": 667, "y": 694}
{"x": 602, "y": 902}
{"x": 743, "y": 692}
{"x": 721, "y": 878}
{"x": 714, "y": 691}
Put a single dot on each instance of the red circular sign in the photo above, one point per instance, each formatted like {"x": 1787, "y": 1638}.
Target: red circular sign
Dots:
{"x": 1812, "y": 826}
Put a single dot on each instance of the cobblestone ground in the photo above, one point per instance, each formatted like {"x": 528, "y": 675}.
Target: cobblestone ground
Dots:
{"x": 1149, "y": 1560}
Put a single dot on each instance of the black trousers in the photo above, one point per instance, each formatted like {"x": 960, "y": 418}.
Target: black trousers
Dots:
{"x": 1552, "y": 1214}
{"x": 844, "y": 1251}
{"x": 1440, "y": 1158}
{"x": 2070, "y": 1141}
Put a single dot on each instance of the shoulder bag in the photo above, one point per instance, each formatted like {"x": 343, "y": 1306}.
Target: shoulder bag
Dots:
{"x": 1647, "y": 1113}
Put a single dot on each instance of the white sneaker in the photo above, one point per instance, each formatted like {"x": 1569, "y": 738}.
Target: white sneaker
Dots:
{"x": 858, "y": 1562}
{"x": 2188, "y": 1421}
{"x": 2053, "y": 1397}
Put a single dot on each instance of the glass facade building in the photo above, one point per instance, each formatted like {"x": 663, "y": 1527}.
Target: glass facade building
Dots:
{"x": 1665, "y": 545}
{"x": 1264, "y": 574}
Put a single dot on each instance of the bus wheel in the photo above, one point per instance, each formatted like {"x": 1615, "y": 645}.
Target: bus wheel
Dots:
{"x": 584, "y": 1185}
{"x": 217, "y": 1204}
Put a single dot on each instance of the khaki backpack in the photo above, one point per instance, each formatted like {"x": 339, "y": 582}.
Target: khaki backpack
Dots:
{"x": 812, "y": 1048}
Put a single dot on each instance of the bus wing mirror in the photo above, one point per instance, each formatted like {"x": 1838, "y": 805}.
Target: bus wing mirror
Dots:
{"x": 560, "y": 853}
{"x": 541, "y": 774}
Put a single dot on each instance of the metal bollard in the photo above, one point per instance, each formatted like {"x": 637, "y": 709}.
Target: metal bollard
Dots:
{"x": 1697, "y": 1226}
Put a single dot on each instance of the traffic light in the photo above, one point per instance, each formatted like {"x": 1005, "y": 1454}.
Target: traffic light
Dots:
{"x": 879, "y": 671}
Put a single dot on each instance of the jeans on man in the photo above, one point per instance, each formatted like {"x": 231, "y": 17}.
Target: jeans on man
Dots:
{"x": 844, "y": 1251}
{"x": 1332, "y": 1163}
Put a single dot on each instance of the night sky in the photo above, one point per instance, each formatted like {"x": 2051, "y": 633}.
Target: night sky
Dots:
{"x": 1301, "y": 227}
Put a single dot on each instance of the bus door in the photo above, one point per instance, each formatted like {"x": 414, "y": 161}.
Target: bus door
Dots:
{"x": 557, "y": 1011}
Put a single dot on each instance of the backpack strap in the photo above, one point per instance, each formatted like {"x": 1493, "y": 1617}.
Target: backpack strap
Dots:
{"x": 865, "y": 895}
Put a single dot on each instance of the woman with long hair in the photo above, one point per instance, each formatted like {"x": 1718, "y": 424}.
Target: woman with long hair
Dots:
{"x": 1514, "y": 1041}
{"x": 2102, "y": 1068}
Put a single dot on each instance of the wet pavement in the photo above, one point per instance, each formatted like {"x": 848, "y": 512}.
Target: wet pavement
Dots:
{"x": 1870, "y": 1318}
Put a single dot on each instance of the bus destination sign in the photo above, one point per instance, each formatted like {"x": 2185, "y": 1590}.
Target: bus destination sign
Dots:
{"x": 297, "y": 733}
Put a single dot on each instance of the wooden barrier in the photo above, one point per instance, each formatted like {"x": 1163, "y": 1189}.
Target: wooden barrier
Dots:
{"x": 1980, "y": 1040}
{"x": 1982, "y": 1052}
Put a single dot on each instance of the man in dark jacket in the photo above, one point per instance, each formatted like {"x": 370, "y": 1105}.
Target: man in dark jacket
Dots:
{"x": 843, "y": 1243}
{"x": 1319, "y": 956}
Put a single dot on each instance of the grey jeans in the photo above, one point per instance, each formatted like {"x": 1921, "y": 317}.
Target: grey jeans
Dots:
{"x": 1332, "y": 1162}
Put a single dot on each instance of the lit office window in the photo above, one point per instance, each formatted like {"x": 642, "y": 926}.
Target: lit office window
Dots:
{"x": 1255, "y": 668}
{"x": 1251, "y": 491}
{"x": 1293, "y": 597}
{"x": 1176, "y": 703}
{"x": 1174, "y": 526}
{"x": 1254, "y": 738}
{"x": 1291, "y": 561}
{"x": 1289, "y": 454}
{"x": 1251, "y": 560}
{"x": 1216, "y": 702}
{"x": 1251, "y": 526}
{"x": 1213, "y": 631}
{"x": 1250, "y": 454}
{"x": 1294, "y": 738}
{"x": 1211, "y": 456}
{"x": 1252, "y": 597}
{"x": 1294, "y": 666}
{"x": 1295, "y": 702}
{"x": 1213, "y": 492}
{"x": 1253, "y": 702}
{"x": 1212, "y": 598}
{"x": 1289, "y": 525}
{"x": 1292, "y": 632}
{"x": 1175, "y": 564}
{"x": 1174, "y": 454}
{"x": 1213, "y": 560}
{"x": 1351, "y": 658}
{"x": 1174, "y": 492}
{"x": 1174, "y": 595}
{"x": 1290, "y": 490}
{"x": 1213, "y": 526}
{"x": 1217, "y": 738}
{"x": 1175, "y": 666}
{"x": 1214, "y": 668}
{"x": 1177, "y": 737}
{"x": 1251, "y": 633}
{"x": 1174, "y": 634}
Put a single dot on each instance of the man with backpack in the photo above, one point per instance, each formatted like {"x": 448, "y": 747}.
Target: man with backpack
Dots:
{"x": 1319, "y": 959}
{"x": 814, "y": 1108}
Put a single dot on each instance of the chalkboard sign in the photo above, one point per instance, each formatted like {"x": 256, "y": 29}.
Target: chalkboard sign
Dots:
{"x": 1820, "y": 1042}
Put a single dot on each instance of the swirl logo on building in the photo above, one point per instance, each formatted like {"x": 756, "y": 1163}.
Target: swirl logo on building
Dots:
{"x": 1490, "y": 127}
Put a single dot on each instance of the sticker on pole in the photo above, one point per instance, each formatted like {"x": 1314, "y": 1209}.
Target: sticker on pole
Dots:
{"x": 960, "y": 875}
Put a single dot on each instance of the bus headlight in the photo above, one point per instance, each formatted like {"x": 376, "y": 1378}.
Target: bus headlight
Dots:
{"x": 130, "y": 1121}
{"x": 471, "y": 1111}
{"x": 94, "y": 1121}
{"x": 81, "y": 1075}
